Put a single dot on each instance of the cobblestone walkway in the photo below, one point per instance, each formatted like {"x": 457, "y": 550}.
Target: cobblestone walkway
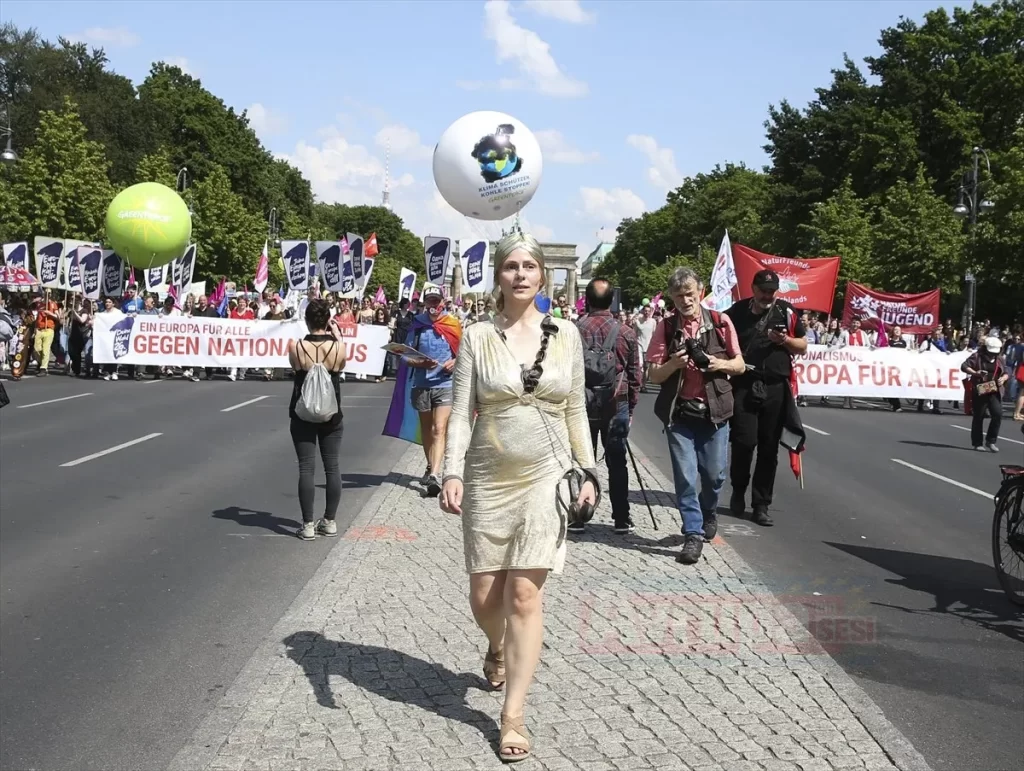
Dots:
{"x": 647, "y": 664}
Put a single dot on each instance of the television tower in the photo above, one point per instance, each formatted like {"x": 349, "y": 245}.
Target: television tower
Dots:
{"x": 386, "y": 195}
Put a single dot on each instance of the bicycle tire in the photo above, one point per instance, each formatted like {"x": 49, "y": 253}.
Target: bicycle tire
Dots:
{"x": 1008, "y": 506}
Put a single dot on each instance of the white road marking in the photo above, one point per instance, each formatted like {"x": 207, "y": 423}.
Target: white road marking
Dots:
{"x": 52, "y": 401}
{"x": 869, "y": 404}
{"x": 817, "y": 430}
{"x": 156, "y": 380}
{"x": 100, "y": 454}
{"x": 261, "y": 535}
{"x": 245, "y": 404}
{"x": 941, "y": 478}
{"x": 1001, "y": 439}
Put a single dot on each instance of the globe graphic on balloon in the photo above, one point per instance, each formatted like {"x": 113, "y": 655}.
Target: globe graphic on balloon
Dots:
{"x": 148, "y": 225}
{"x": 487, "y": 165}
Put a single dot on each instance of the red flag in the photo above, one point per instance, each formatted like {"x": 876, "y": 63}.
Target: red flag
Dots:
{"x": 131, "y": 276}
{"x": 806, "y": 283}
{"x": 370, "y": 247}
{"x": 263, "y": 269}
{"x": 795, "y": 463}
{"x": 917, "y": 314}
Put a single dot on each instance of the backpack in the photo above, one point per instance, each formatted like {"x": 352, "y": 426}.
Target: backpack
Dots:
{"x": 318, "y": 401}
{"x": 7, "y": 326}
{"x": 600, "y": 370}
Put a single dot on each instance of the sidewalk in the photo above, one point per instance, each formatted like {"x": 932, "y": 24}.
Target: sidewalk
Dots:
{"x": 647, "y": 664}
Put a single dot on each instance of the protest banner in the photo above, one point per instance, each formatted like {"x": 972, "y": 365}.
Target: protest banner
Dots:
{"x": 916, "y": 314}
{"x": 880, "y": 373}
{"x": 808, "y": 284}
{"x": 180, "y": 341}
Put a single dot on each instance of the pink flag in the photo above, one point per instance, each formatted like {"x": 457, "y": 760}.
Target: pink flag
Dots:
{"x": 131, "y": 276}
{"x": 172, "y": 291}
{"x": 655, "y": 300}
{"x": 263, "y": 269}
{"x": 344, "y": 244}
{"x": 881, "y": 339}
{"x": 380, "y": 298}
{"x": 581, "y": 305}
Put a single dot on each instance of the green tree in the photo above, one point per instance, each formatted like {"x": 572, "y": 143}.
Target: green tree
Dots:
{"x": 157, "y": 167}
{"x": 60, "y": 185}
{"x": 229, "y": 238}
{"x": 398, "y": 247}
{"x": 842, "y": 226}
{"x": 918, "y": 243}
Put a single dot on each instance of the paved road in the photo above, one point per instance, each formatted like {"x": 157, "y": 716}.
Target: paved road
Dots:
{"x": 135, "y": 585}
{"x": 877, "y": 540}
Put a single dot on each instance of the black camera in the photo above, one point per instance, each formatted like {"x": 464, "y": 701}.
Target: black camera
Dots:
{"x": 696, "y": 353}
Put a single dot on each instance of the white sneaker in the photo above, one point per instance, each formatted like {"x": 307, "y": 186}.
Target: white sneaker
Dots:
{"x": 991, "y": 447}
{"x": 106, "y": 377}
{"x": 308, "y": 531}
{"x": 327, "y": 528}
{"x": 114, "y": 376}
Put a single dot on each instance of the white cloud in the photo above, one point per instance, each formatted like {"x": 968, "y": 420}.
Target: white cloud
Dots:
{"x": 538, "y": 70}
{"x": 662, "y": 173}
{"x": 610, "y": 207}
{"x": 107, "y": 36}
{"x": 266, "y": 122}
{"x": 563, "y": 10}
{"x": 181, "y": 63}
{"x": 558, "y": 150}
{"x": 339, "y": 171}
{"x": 404, "y": 141}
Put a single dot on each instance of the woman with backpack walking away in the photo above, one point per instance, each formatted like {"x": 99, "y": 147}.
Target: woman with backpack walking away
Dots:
{"x": 315, "y": 411}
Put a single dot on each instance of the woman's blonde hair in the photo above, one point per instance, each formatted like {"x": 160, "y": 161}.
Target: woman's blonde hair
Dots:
{"x": 509, "y": 244}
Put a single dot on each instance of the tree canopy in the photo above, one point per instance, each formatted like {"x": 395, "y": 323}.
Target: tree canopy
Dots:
{"x": 84, "y": 132}
{"x": 871, "y": 169}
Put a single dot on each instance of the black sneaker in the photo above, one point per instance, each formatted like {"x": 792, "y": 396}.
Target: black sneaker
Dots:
{"x": 625, "y": 526}
{"x": 736, "y": 504}
{"x": 690, "y": 553}
{"x": 433, "y": 487}
{"x": 762, "y": 517}
{"x": 710, "y": 528}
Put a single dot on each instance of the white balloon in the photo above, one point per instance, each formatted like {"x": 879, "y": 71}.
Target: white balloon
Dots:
{"x": 487, "y": 165}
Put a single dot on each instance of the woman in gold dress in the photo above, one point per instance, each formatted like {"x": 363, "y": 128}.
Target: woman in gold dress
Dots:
{"x": 522, "y": 377}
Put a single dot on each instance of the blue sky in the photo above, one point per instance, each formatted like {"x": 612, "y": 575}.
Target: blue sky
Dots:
{"x": 626, "y": 98}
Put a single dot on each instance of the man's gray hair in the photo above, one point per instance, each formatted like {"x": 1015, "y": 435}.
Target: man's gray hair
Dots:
{"x": 681, "y": 277}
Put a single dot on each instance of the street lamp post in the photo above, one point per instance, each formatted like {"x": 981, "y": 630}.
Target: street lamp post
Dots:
{"x": 272, "y": 226}
{"x": 181, "y": 184}
{"x": 968, "y": 205}
{"x": 8, "y": 156}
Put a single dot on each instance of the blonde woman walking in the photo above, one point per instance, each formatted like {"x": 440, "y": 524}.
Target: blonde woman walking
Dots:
{"x": 522, "y": 374}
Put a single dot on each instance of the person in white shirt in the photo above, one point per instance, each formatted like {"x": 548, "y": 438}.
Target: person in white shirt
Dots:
{"x": 170, "y": 310}
{"x": 644, "y": 326}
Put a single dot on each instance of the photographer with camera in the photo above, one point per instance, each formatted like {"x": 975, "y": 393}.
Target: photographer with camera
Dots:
{"x": 692, "y": 355}
{"x": 771, "y": 334}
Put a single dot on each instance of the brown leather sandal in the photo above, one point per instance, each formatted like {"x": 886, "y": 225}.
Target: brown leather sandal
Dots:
{"x": 513, "y": 737}
{"x": 494, "y": 669}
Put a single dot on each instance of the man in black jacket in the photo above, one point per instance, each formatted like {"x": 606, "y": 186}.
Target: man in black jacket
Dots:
{"x": 771, "y": 334}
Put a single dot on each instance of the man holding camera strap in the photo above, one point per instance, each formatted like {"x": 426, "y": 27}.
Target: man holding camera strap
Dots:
{"x": 692, "y": 355}
{"x": 771, "y": 334}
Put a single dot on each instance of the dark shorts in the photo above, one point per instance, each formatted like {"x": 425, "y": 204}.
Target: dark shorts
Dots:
{"x": 428, "y": 399}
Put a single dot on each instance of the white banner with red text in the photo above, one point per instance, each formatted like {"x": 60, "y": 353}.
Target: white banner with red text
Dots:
{"x": 880, "y": 373}
{"x": 180, "y": 341}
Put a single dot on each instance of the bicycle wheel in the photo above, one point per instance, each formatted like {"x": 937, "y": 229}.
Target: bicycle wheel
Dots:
{"x": 1008, "y": 539}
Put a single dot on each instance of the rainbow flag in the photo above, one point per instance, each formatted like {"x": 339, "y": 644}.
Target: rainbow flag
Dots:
{"x": 402, "y": 421}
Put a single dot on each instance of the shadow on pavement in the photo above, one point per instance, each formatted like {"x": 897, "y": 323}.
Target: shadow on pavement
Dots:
{"x": 263, "y": 519}
{"x": 360, "y": 481}
{"x": 391, "y": 674}
{"x": 962, "y": 588}
{"x": 935, "y": 444}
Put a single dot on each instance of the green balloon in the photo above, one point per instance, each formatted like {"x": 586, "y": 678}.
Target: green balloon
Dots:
{"x": 148, "y": 225}
{"x": 645, "y": 301}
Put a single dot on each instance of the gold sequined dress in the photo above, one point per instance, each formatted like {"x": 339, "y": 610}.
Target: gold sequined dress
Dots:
{"x": 513, "y": 455}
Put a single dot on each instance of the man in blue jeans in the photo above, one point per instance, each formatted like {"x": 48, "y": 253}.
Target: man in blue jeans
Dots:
{"x": 692, "y": 354}
{"x": 613, "y": 347}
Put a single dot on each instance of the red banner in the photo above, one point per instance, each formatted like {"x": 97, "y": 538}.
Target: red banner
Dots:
{"x": 917, "y": 314}
{"x": 808, "y": 284}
